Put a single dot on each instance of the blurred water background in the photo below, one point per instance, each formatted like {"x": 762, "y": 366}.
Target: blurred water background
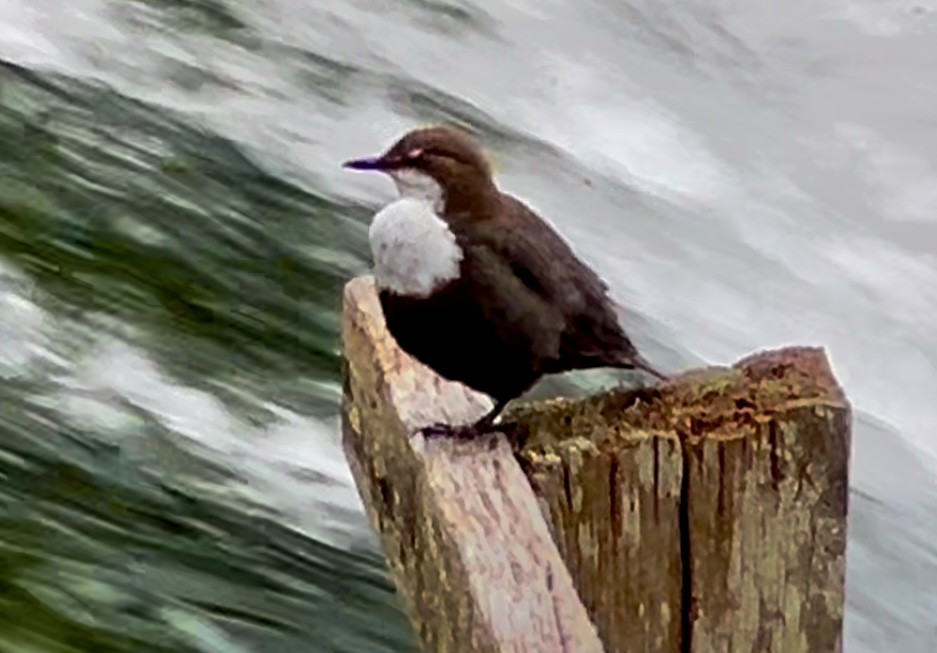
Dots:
{"x": 175, "y": 231}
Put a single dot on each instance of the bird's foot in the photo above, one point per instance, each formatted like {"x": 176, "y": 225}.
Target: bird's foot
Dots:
{"x": 443, "y": 430}
{"x": 466, "y": 431}
{"x": 457, "y": 431}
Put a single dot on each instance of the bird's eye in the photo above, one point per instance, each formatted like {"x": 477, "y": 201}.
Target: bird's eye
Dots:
{"x": 415, "y": 153}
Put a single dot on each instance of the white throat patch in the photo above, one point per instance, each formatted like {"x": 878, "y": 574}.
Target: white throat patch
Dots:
{"x": 414, "y": 250}
{"x": 415, "y": 184}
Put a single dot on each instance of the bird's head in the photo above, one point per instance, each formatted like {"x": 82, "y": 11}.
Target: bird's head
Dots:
{"x": 440, "y": 164}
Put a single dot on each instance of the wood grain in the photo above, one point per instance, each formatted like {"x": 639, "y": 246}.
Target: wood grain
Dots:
{"x": 467, "y": 545}
{"x": 704, "y": 515}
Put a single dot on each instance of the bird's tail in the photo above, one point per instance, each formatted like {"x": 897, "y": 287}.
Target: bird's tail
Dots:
{"x": 639, "y": 363}
{"x": 632, "y": 360}
{"x": 628, "y": 359}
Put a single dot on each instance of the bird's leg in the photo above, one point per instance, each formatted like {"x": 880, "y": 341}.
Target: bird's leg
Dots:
{"x": 482, "y": 426}
{"x": 487, "y": 423}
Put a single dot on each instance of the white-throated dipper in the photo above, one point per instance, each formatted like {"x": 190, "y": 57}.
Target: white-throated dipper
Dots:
{"x": 475, "y": 285}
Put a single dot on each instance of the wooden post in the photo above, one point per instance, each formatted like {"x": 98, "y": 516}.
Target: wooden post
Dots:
{"x": 467, "y": 545}
{"x": 706, "y": 515}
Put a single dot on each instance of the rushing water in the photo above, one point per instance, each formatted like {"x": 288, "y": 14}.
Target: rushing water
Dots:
{"x": 175, "y": 231}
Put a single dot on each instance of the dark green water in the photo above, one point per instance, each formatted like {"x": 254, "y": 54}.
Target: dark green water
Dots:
{"x": 132, "y": 225}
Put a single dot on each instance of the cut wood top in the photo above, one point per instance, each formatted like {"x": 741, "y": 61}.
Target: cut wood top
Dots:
{"x": 715, "y": 401}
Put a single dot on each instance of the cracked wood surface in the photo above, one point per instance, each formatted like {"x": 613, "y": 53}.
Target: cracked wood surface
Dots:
{"x": 707, "y": 514}
{"x": 704, "y": 515}
{"x": 466, "y": 543}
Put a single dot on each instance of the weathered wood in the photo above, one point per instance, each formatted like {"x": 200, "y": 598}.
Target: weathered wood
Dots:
{"x": 705, "y": 515}
{"x": 768, "y": 498}
{"x": 467, "y": 546}
{"x": 612, "y": 494}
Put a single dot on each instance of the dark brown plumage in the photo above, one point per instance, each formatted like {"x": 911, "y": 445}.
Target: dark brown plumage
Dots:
{"x": 523, "y": 304}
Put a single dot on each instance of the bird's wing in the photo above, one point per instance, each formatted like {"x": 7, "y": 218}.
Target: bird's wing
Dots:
{"x": 544, "y": 261}
{"x": 554, "y": 276}
{"x": 535, "y": 324}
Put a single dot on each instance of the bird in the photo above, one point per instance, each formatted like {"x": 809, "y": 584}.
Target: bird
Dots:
{"x": 478, "y": 287}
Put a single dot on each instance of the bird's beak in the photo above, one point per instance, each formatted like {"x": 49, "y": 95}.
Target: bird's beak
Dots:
{"x": 370, "y": 163}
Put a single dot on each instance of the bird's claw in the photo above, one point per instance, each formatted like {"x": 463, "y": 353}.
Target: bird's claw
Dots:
{"x": 436, "y": 430}
{"x": 458, "y": 431}
{"x": 467, "y": 431}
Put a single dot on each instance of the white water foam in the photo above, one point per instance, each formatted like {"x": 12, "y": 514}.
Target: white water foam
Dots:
{"x": 775, "y": 151}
